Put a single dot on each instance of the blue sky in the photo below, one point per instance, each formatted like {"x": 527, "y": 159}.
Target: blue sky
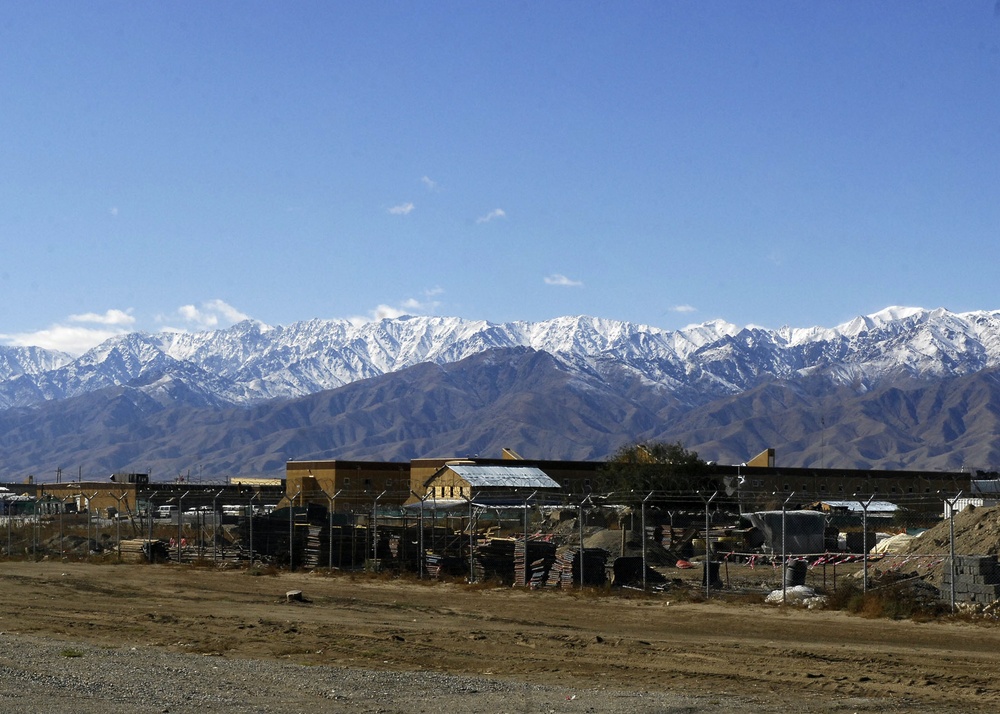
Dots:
{"x": 182, "y": 165}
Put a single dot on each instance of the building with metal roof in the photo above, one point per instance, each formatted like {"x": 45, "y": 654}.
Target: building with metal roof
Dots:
{"x": 467, "y": 480}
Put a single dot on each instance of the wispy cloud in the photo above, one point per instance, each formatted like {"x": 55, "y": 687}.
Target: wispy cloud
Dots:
{"x": 403, "y": 209}
{"x": 562, "y": 281}
{"x": 409, "y": 306}
{"x": 430, "y": 183}
{"x": 683, "y": 308}
{"x": 111, "y": 317}
{"x": 86, "y": 330}
{"x": 492, "y": 215}
{"x": 209, "y": 315}
{"x": 76, "y": 338}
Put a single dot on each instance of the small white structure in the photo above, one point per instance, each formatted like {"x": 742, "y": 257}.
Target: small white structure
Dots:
{"x": 961, "y": 504}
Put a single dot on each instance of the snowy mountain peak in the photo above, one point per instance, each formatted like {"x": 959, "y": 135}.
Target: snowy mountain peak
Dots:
{"x": 251, "y": 361}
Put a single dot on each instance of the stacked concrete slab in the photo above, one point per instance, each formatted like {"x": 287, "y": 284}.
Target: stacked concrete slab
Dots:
{"x": 976, "y": 577}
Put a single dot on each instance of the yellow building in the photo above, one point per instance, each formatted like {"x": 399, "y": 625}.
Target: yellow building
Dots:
{"x": 469, "y": 480}
{"x": 347, "y": 485}
{"x": 105, "y": 498}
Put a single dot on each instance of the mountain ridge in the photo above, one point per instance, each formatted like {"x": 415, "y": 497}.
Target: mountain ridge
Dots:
{"x": 251, "y": 362}
{"x": 902, "y": 388}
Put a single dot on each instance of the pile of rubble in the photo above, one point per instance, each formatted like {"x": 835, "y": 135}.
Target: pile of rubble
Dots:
{"x": 977, "y": 532}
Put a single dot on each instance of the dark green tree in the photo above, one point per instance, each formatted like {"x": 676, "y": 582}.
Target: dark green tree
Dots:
{"x": 659, "y": 467}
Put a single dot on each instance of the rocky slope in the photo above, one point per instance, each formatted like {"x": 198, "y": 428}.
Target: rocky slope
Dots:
{"x": 904, "y": 388}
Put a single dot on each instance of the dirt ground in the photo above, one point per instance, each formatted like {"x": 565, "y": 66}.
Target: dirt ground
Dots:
{"x": 775, "y": 656}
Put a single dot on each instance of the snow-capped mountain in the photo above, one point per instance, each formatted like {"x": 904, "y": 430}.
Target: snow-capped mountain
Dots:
{"x": 252, "y": 362}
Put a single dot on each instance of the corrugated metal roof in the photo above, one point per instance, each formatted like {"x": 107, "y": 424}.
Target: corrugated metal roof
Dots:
{"x": 858, "y": 507}
{"x": 503, "y": 476}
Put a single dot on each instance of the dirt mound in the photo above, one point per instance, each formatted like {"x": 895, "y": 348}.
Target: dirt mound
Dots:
{"x": 977, "y": 532}
{"x": 611, "y": 541}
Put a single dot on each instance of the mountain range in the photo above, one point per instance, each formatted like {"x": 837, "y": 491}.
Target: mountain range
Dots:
{"x": 901, "y": 388}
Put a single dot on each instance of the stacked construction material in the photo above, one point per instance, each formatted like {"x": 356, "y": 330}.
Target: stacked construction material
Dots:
{"x": 494, "y": 560}
{"x": 317, "y": 547}
{"x": 561, "y": 570}
{"x": 535, "y": 561}
{"x": 595, "y": 562}
{"x": 629, "y": 571}
{"x": 565, "y": 571}
{"x": 440, "y": 565}
{"x": 976, "y": 578}
{"x": 144, "y": 551}
{"x": 404, "y": 549}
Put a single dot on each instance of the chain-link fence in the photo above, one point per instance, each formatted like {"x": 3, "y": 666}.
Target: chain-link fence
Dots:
{"x": 705, "y": 542}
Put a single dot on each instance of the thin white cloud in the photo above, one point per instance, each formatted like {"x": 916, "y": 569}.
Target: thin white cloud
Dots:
{"x": 111, "y": 317}
{"x": 113, "y": 211}
{"x": 430, "y": 183}
{"x": 562, "y": 281}
{"x": 492, "y": 215}
{"x": 64, "y": 338}
{"x": 683, "y": 308}
{"x": 409, "y": 306}
{"x": 83, "y": 331}
{"x": 403, "y": 209}
{"x": 210, "y": 315}
{"x": 77, "y": 338}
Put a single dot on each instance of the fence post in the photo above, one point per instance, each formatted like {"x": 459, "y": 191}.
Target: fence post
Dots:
{"x": 951, "y": 543}
{"x": 472, "y": 548}
{"x": 118, "y": 520}
{"x": 180, "y": 523}
{"x": 708, "y": 545}
{"x": 864, "y": 541}
{"x": 644, "y": 539}
{"x": 527, "y": 564}
{"x": 420, "y": 565}
{"x": 150, "y": 511}
{"x": 250, "y": 516}
{"x": 89, "y": 501}
{"x": 784, "y": 552}
{"x": 580, "y": 520}
{"x": 291, "y": 531}
{"x": 375, "y": 561}
{"x": 331, "y": 501}
{"x": 62, "y": 549}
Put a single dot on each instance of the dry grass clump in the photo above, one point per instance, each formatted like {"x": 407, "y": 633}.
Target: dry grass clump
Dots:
{"x": 899, "y": 599}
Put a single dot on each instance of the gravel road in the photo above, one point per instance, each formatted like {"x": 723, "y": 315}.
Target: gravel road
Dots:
{"x": 111, "y": 638}
{"x": 48, "y": 676}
